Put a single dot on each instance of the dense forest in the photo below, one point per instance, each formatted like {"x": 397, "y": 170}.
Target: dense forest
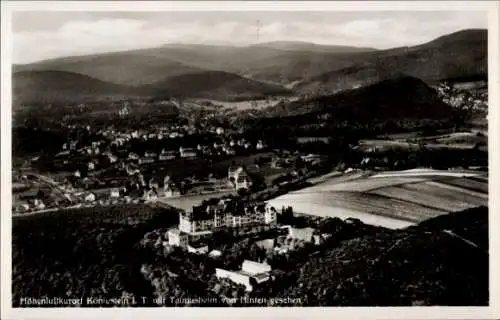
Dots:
{"x": 88, "y": 252}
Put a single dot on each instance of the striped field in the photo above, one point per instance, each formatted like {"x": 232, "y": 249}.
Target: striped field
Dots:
{"x": 391, "y": 199}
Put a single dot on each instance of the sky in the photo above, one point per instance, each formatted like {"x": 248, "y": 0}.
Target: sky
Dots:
{"x": 51, "y": 34}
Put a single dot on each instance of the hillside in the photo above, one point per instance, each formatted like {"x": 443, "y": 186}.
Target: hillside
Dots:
{"x": 133, "y": 68}
{"x": 399, "y": 98}
{"x": 418, "y": 266}
{"x": 62, "y": 86}
{"x": 459, "y": 55}
{"x": 217, "y": 85}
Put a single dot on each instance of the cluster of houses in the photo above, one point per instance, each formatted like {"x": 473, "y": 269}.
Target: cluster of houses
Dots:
{"x": 458, "y": 96}
{"x": 29, "y": 206}
{"x": 294, "y": 238}
{"x": 288, "y": 160}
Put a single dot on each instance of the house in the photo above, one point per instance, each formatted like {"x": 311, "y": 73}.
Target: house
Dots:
{"x": 39, "y": 204}
{"x": 149, "y": 154}
{"x": 219, "y": 131}
{"x": 72, "y": 145}
{"x": 230, "y": 151}
{"x": 91, "y": 197}
{"x": 253, "y": 268}
{"x": 215, "y": 254}
{"x": 305, "y": 140}
{"x": 23, "y": 207}
{"x": 146, "y": 160}
{"x": 112, "y": 158}
{"x": 239, "y": 177}
{"x": 217, "y": 145}
{"x": 259, "y": 145}
{"x": 168, "y": 155}
{"x": 187, "y": 153}
{"x": 115, "y": 193}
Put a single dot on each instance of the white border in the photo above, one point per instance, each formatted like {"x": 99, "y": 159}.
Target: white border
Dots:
{"x": 491, "y": 312}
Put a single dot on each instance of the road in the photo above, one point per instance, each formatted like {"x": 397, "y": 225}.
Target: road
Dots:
{"x": 468, "y": 242}
{"x": 52, "y": 184}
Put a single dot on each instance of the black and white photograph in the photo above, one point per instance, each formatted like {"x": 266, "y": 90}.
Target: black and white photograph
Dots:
{"x": 263, "y": 159}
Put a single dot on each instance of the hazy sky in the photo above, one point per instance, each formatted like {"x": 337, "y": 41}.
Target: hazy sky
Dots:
{"x": 43, "y": 35}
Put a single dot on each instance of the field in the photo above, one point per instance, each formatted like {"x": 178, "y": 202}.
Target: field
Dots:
{"x": 393, "y": 199}
{"x": 412, "y": 141}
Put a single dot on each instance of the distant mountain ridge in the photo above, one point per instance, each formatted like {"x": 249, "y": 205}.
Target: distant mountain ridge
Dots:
{"x": 459, "y": 55}
{"x": 274, "y": 68}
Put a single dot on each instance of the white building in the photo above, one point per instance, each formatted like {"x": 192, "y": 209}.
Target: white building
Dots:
{"x": 39, "y": 204}
{"x": 115, "y": 193}
{"x": 251, "y": 273}
{"x": 146, "y": 160}
{"x": 198, "y": 249}
{"x": 239, "y": 177}
{"x": 112, "y": 158}
{"x": 187, "y": 153}
{"x": 253, "y": 268}
{"x": 168, "y": 155}
{"x": 90, "y": 197}
{"x": 259, "y": 145}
